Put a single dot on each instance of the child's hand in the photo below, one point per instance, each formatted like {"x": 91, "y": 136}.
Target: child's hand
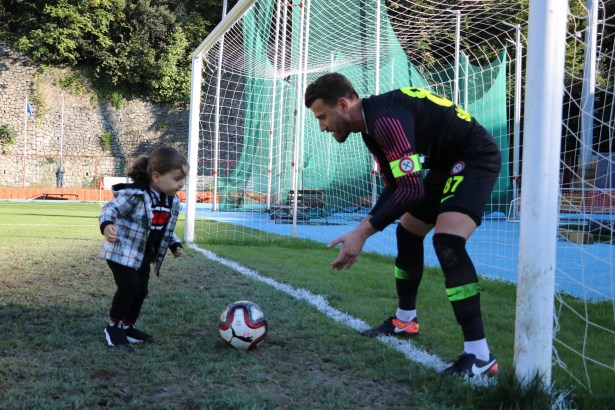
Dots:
{"x": 178, "y": 251}
{"x": 110, "y": 233}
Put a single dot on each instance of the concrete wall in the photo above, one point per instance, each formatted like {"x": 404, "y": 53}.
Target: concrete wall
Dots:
{"x": 34, "y": 158}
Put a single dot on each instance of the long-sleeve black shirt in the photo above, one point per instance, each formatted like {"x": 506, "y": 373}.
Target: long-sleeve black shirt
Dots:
{"x": 410, "y": 121}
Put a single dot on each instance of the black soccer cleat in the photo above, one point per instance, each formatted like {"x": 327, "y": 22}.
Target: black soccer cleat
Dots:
{"x": 467, "y": 365}
{"x": 394, "y": 326}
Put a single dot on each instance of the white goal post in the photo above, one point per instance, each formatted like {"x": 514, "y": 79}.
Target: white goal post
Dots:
{"x": 195, "y": 107}
{"x": 543, "y": 118}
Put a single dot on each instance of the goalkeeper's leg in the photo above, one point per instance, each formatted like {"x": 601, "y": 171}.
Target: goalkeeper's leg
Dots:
{"x": 463, "y": 293}
{"x": 408, "y": 275}
{"x": 408, "y": 272}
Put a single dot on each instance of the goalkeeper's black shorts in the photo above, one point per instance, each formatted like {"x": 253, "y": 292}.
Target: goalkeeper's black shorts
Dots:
{"x": 464, "y": 186}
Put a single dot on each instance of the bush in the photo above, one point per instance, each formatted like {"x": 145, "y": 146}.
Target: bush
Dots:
{"x": 7, "y": 135}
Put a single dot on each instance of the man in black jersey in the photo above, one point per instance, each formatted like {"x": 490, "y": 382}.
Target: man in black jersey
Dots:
{"x": 407, "y": 130}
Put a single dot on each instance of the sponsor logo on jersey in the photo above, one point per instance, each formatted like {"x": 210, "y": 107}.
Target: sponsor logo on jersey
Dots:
{"x": 458, "y": 167}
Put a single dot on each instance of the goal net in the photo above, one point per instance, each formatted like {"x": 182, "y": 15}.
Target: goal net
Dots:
{"x": 256, "y": 145}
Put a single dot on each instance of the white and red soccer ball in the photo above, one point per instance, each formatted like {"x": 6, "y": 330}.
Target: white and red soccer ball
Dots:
{"x": 243, "y": 325}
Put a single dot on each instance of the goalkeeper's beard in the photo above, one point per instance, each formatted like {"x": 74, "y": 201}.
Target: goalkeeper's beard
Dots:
{"x": 340, "y": 136}
{"x": 341, "y": 131}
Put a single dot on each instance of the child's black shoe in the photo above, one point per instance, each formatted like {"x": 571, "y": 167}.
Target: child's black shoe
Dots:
{"x": 115, "y": 335}
{"x": 134, "y": 335}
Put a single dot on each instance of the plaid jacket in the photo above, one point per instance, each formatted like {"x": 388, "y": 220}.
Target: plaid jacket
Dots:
{"x": 131, "y": 213}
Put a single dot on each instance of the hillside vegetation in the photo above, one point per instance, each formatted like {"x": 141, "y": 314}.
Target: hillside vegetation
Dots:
{"x": 130, "y": 48}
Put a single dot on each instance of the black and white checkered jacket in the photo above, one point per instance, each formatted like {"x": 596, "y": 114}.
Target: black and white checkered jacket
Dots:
{"x": 131, "y": 213}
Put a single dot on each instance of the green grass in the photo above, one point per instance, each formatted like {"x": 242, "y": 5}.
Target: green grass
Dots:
{"x": 55, "y": 295}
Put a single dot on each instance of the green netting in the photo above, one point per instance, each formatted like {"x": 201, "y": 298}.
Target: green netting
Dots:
{"x": 272, "y": 114}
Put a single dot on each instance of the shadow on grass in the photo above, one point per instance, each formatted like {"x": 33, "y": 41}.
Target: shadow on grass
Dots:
{"x": 47, "y": 328}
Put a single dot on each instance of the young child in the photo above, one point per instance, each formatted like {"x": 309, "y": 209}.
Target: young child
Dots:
{"x": 138, "y": 227}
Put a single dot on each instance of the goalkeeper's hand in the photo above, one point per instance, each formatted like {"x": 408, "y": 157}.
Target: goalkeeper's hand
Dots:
{"x": 352, "y": 244}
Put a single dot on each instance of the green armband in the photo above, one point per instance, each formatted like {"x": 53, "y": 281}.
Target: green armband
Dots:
{"x": 406, "y": 165}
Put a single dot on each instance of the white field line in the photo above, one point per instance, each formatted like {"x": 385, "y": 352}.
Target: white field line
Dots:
{"x": 320, "y": 303}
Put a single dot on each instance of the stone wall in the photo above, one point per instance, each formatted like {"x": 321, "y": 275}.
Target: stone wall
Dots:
{"x": 91, "y": 138}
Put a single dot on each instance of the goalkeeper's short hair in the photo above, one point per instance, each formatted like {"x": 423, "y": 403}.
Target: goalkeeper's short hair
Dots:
{"x": 329, "y": 88}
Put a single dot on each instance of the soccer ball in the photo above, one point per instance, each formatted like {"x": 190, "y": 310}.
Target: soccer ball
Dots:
{"x": 243, "y": 325}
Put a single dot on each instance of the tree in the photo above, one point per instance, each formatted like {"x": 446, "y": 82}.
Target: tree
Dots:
{"x": 136, "y": 47}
